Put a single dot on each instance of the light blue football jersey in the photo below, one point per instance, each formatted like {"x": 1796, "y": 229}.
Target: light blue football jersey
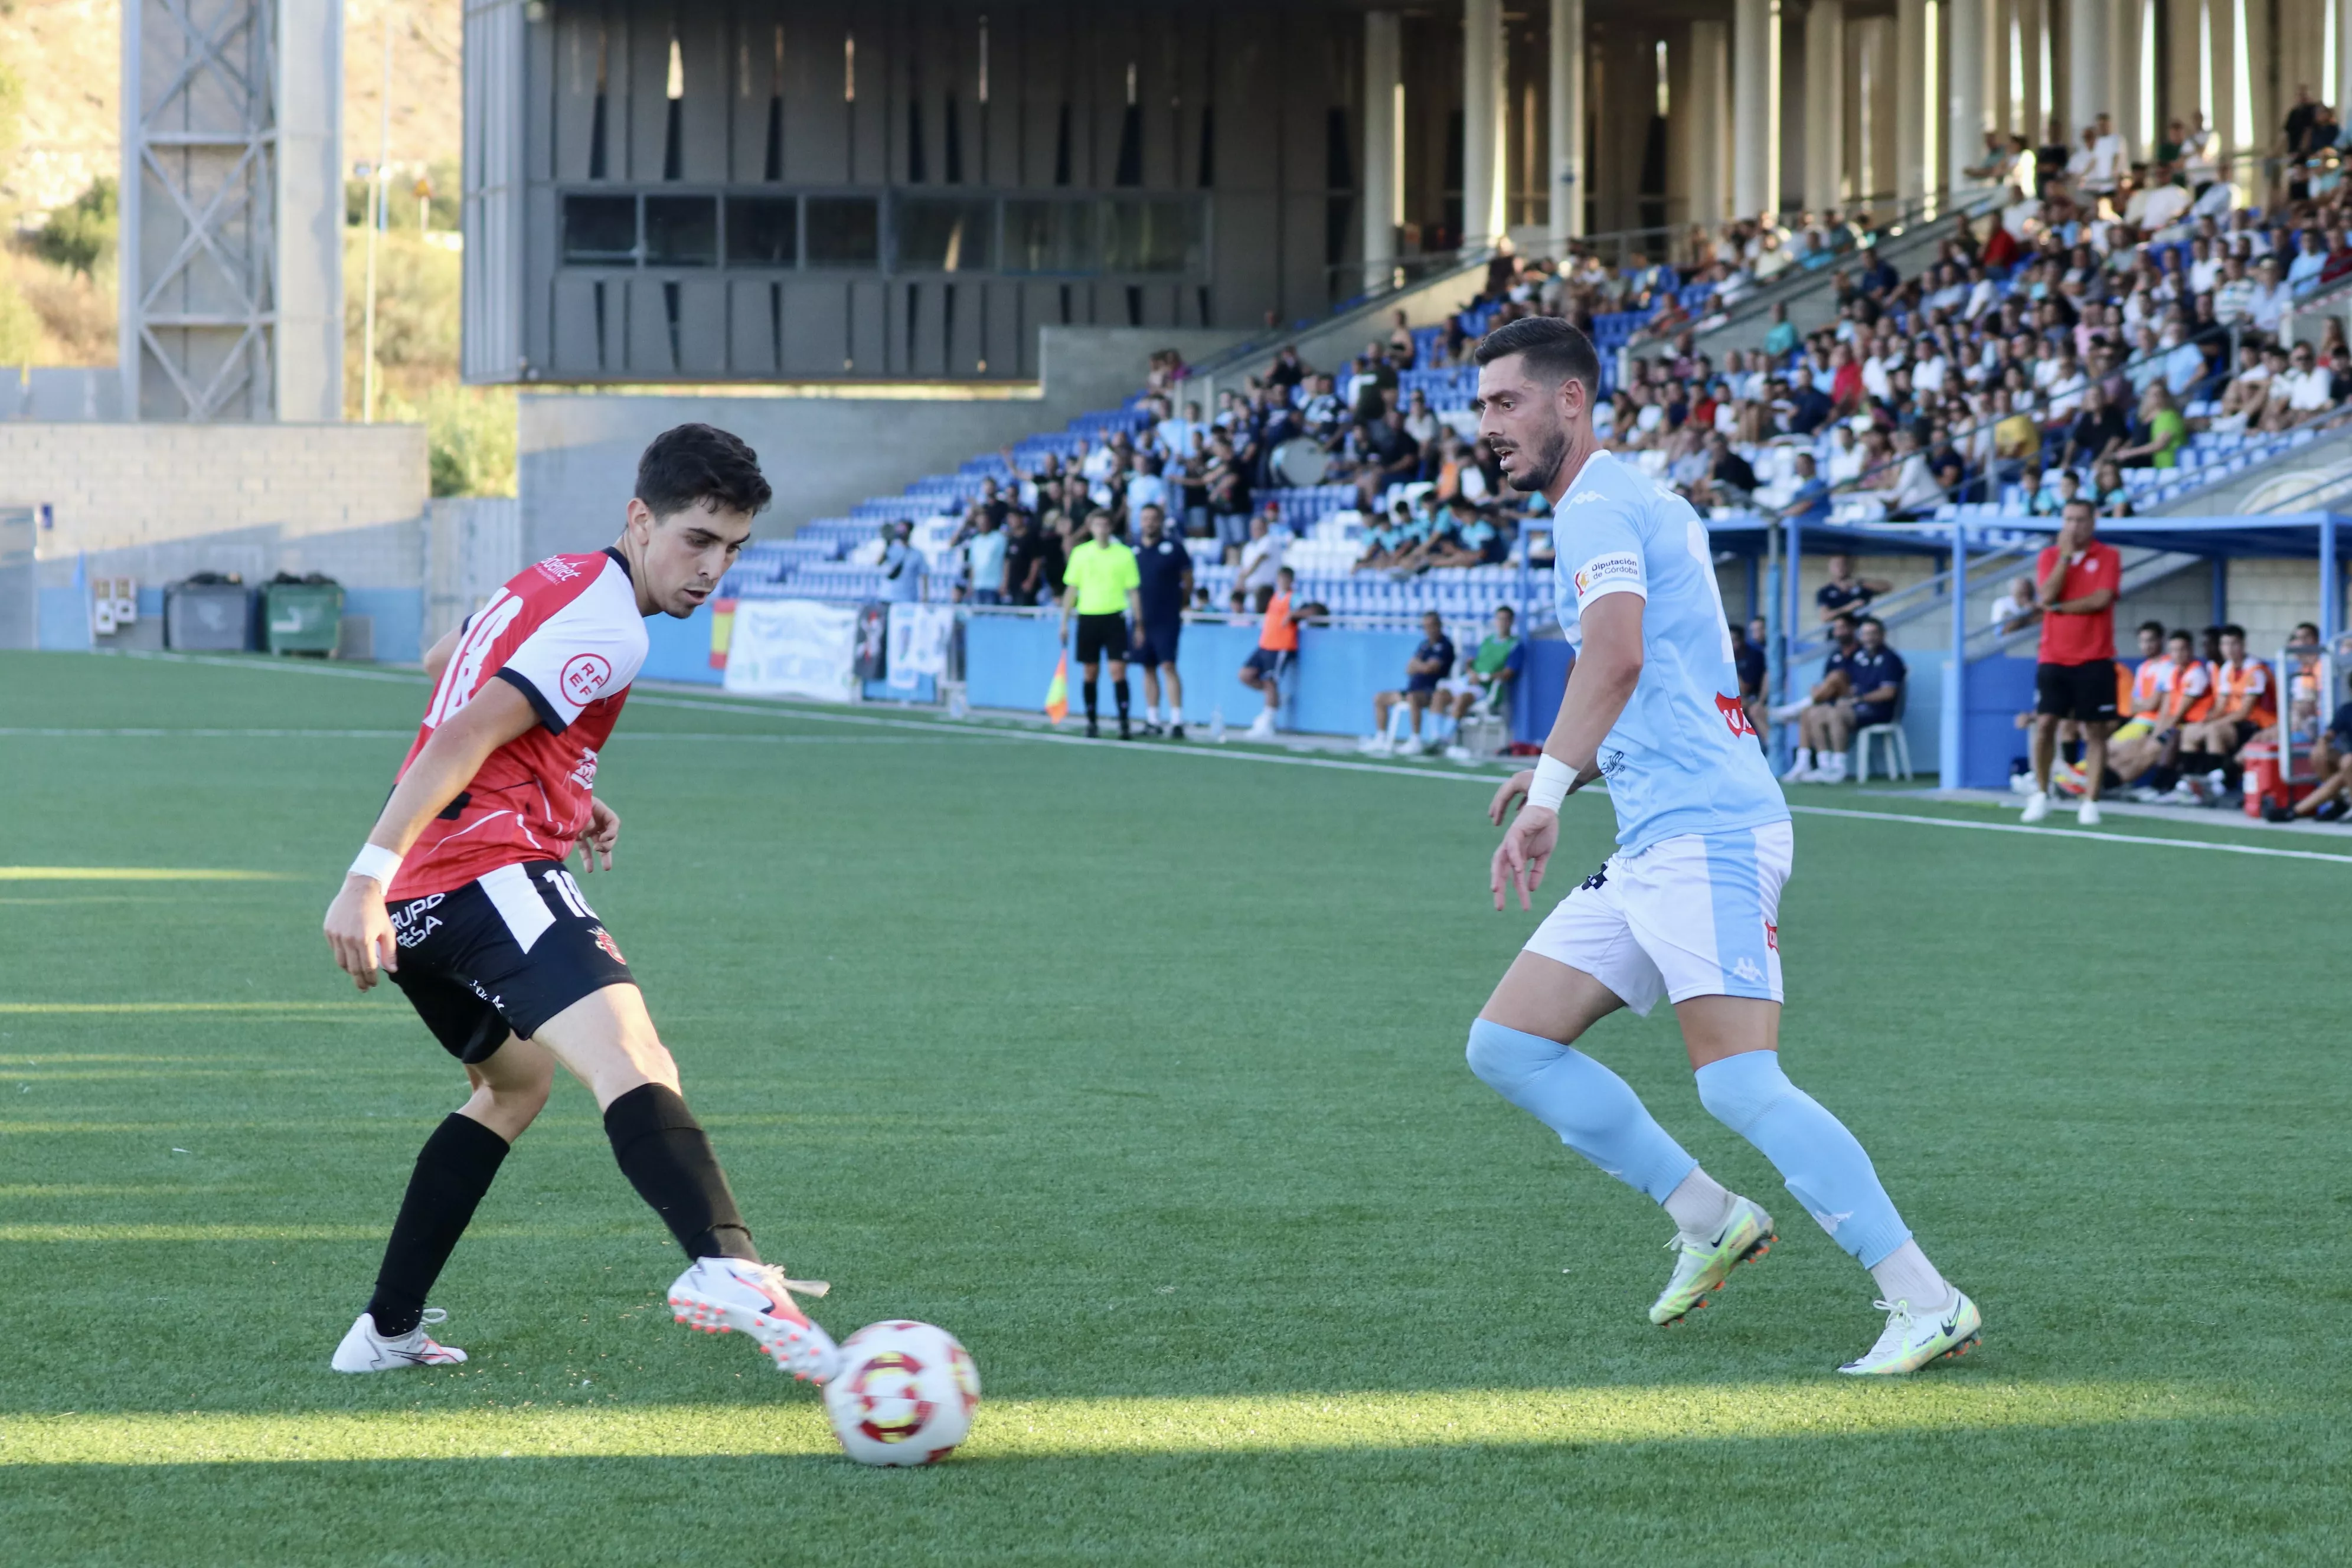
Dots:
{"x": 1683, "y": 757}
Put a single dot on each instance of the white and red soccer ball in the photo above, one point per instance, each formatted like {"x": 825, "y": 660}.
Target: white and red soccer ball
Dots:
{"x": 903, "y": 1393}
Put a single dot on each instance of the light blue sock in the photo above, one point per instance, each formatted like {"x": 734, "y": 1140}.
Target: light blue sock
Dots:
{"x": 1594, "y": 1111}
{"x": 1821, "y": 1162}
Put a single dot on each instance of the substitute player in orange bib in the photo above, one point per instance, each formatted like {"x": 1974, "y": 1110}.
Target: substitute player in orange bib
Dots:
{"x": 462, "y": 896}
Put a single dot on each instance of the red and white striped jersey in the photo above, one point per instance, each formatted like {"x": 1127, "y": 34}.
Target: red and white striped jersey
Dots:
{"x": 567, "y": 633}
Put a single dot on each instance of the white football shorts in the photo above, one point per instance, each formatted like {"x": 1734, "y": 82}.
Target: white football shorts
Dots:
{"x": 1697, "y": 915}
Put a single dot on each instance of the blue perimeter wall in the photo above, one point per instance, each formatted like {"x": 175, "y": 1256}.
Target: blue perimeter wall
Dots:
{"x": 1009, "y": 662}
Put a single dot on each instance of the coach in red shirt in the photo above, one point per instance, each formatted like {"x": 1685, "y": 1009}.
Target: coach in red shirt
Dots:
{"x": 2074, "y": 582}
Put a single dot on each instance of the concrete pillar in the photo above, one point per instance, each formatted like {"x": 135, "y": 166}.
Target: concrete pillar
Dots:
{"x": 2340, "y": 89}
{"x": 2123, "y": 74}
{"x": 1568, "y": 175}
{"x": 1482, "y": 123}
{"x": 1912, "y": 107}
{"x": 1825, "y": 104}
{"x": 1756, "y": 108}
{"x": 1704, "y": 122}
{"x": 308, "y": 343}
{"x": 1965, "y": 60}
{"x": 1382, "y": 128}
{"x": 2086, "y": 65}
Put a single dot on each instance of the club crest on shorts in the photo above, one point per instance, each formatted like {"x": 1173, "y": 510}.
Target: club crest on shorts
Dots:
{"x": 612, "y": 949}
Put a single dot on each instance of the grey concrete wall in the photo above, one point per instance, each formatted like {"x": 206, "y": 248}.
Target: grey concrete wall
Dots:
{"x": 825, "y": 449}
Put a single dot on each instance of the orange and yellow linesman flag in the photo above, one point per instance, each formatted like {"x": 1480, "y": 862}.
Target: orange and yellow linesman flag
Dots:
{"x": 1058, "y": 691}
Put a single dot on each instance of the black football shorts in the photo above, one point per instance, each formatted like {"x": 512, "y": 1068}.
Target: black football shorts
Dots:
{"x": 501, "y": 954}
{"x": 2085, "y": 692}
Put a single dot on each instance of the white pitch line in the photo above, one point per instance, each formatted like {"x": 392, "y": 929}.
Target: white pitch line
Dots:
{"x": 132, "y": 732}
{"x": 2077, "y": 833}
{"x": 1485, "y": 776}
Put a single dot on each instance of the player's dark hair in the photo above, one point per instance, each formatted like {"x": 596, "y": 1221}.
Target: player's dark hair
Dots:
{"x": 2234, "y": 630}
{"x": 694, "y": 464}
{"x": 2156, "y": 626}
{"x": 1556, "y": 350}
{"x": 1869, "y": 621}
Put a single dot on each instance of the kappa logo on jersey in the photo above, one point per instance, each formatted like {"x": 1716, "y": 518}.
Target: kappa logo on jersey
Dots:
{"x": 556, "y": 569}
{"x": 1604, "y": 570}
{"x": 584, "y": 675}
{"x": 1581, "y": 497}
{"x": 1735, "y": 713}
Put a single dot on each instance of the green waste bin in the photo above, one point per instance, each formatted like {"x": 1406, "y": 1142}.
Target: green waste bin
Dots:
{"x": 302, "y": 618}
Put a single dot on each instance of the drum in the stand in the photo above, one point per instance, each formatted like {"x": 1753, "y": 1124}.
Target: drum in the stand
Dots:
{"x": 1300, "y": 462}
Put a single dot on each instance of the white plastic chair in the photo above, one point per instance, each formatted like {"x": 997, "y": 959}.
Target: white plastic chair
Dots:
{"x": 1898, "y": 748}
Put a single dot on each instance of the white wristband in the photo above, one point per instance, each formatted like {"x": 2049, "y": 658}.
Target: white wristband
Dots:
{"x": 375, "y": 861}
{"x": 1552, "y": 780}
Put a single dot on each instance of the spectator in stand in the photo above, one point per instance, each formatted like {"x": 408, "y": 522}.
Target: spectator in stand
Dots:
{"x": 902, "y": 566}
{"x": 1496, "y": 663}
{"x": 2075, "y": 582}
{"x": 1261, "y": 559}
{"x": 2097, "y": 431}
{"x": 1810, "y": 499}
{"x": 1277, "y": 652}
{"x": 1229, "y": 497}
{"x": 1825, "y": 720}
{"x": 1163, "y": 569}
{"x": 1844, "y": 593}
{"x": 1429, "y": 665}
{"x": 984, "y": 556}
{"x": 1390, "y": 457}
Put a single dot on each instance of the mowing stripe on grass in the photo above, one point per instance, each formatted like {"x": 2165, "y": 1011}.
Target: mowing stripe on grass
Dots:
{"x": 340, "y": 1009}
{"x": 136, "y": 874}
{"x": 1481, "y": 776}
{"x": 1062, "y": 1429}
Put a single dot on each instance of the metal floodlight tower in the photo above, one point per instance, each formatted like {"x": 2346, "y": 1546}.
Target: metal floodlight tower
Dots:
{"x": 232, "y": 210}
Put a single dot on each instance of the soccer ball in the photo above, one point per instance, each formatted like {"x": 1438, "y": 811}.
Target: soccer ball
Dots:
{"x": 903, "y": 1393}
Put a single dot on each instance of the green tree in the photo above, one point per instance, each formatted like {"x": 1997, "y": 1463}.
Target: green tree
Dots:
{"x": 81, "y": 235}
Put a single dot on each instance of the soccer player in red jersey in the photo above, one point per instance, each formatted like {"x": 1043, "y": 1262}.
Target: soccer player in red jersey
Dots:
{"x": 462, "y": 897}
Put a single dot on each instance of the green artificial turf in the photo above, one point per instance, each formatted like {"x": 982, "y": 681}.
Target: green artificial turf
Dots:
{"x": 1144, "y": 1074}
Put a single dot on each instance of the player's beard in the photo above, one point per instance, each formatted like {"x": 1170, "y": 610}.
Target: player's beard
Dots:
{"x": 1549, "y": 457}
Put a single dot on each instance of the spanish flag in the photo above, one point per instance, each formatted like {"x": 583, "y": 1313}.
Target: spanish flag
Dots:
{"x": 1058, "y": 691}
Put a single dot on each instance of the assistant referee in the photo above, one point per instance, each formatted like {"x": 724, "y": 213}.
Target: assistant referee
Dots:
{"x": 1098, "y": 587}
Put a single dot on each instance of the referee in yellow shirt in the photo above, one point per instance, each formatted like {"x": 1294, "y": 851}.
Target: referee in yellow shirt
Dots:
{"x": 1098, "y": 585}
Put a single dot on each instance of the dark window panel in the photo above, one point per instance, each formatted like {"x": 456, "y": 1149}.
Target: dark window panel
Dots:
{"x": 938, "y": 235}
{"x": 600, "y": 231}
{"x": 1151, "y": 237}
{"x": 844, "y": 231}
{"x": 681, "y": 231}
{"x": 764, "y": 231}
{"x": 1049, "y": 236}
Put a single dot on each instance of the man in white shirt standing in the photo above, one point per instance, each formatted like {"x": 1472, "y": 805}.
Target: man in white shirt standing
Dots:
{"x": 2270, "y": 298}
{"x": 2108, "y": 159}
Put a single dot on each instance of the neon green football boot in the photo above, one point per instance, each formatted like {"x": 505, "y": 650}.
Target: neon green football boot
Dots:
{"x": 1702, "y": 1263}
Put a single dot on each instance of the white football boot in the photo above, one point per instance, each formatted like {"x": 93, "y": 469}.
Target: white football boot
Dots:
{"x": 1702, "y": 1263}
{"x": 364, "y": 1349}
{"x": 2087, "y": 813}
{"x": 1261, "y": 727}
{"x": 721, "y": 1293}
{"x": 1910, "y": 1342}
{"x": 2037, "y": 806}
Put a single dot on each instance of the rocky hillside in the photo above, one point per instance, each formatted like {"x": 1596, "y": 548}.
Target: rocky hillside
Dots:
{"x": 68, "y": 56}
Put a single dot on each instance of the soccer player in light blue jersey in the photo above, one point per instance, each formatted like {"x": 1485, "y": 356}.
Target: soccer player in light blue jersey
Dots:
{"x": 1689, "y": 906}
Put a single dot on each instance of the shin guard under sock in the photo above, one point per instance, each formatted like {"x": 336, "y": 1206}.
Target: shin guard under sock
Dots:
{"x": 1594, "y": 1111}
{"x": 1822, "y": 1164}
{"x": 452, "y": 1171}
{"x": 667, "y": 1156}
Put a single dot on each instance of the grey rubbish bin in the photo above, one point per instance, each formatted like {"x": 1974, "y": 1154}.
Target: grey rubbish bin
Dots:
{"x": 207, "y": 617}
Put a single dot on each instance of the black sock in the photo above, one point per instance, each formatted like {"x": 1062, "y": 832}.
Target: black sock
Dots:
{"x": 454, "y": 1169}
{"x": 2161, "y": 777}
{"x": 667, "y": 1157}
{"x": 1122, "y": 702}
{"x": 1091, "y": 697}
